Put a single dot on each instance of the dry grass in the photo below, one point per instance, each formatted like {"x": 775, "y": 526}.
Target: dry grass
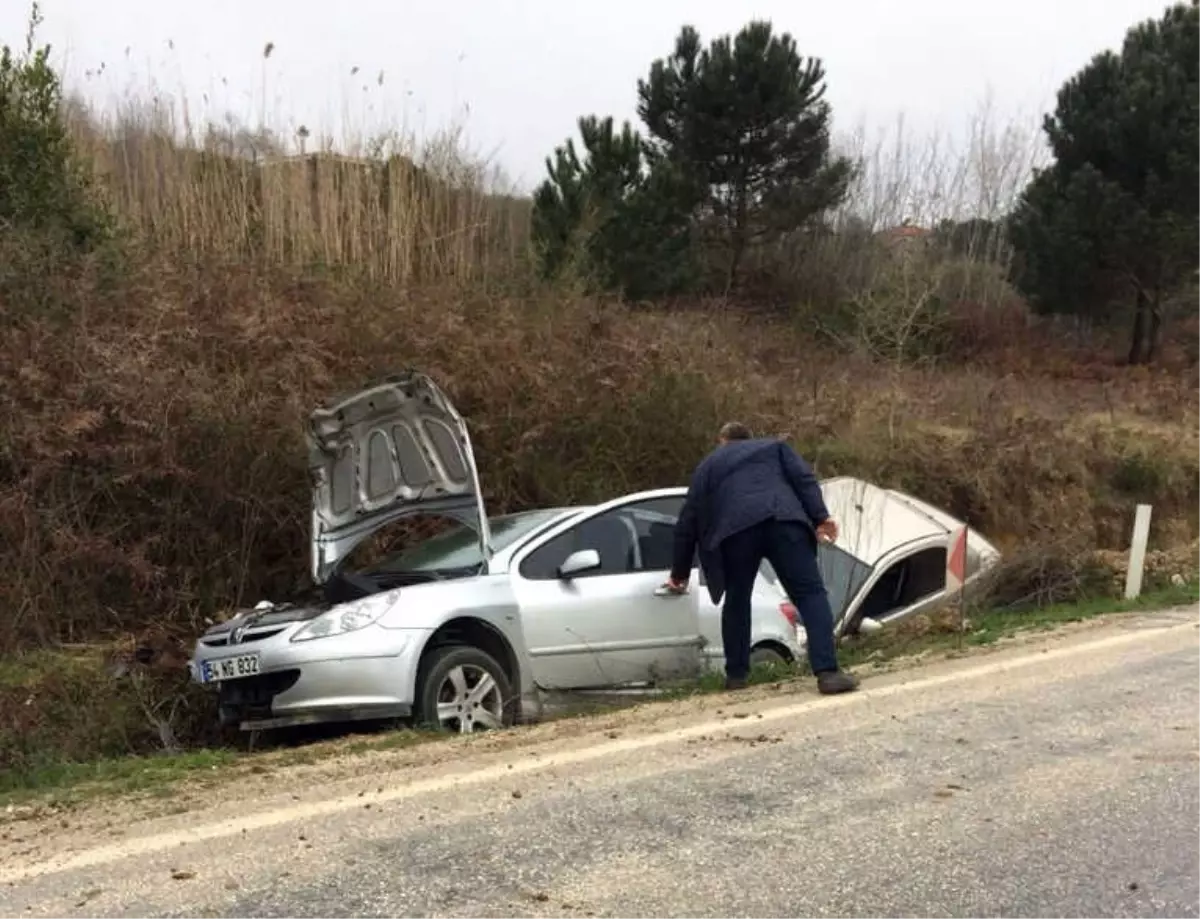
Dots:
{"x": 152, "y": 406}
{"x": 401, "y": 213}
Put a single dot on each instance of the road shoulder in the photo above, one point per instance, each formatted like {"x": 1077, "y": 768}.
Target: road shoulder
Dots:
{"x": 211, "y": 807}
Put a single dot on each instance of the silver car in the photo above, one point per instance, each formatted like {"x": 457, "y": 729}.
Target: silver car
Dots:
{"x": 474, "y": 627}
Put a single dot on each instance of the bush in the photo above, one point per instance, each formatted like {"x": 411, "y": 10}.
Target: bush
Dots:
{"x": 75, "y": 707}
{"x": 43, "y": 185}
{"x": 1045, "y": 575}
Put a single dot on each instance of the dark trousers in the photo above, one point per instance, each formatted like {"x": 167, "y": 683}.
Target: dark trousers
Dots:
{"x": 791, "y": 549}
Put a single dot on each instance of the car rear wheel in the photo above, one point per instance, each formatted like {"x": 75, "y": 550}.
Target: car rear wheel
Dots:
{"x": 765, "y": 655}
{"x": 463, "y": 690}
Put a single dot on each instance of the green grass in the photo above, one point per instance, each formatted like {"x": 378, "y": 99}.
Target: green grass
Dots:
{"x": 67, "y": 783}
{"x": 990, "y": 626}
{"x": 122, "y": 775}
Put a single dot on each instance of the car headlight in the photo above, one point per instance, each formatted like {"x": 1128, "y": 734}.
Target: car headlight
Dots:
{"x": 341, "y": 619}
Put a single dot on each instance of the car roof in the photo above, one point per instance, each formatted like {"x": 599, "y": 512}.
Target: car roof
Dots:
{"x": 873, "y": 521}
{"x": 540, "y": 512}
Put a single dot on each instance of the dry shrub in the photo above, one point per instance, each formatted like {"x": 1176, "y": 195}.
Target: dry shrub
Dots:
{"x": 1044, "y": 574}
{"x": 1002, "y": 333}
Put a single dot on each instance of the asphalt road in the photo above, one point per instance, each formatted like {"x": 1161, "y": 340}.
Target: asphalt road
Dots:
{"x": 1047, "y": 780}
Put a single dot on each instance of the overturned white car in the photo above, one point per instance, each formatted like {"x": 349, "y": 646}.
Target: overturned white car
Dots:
{"x": 892, "y": 556}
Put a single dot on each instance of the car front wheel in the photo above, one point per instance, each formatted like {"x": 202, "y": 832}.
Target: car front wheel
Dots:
{"x": 463, "y": 689}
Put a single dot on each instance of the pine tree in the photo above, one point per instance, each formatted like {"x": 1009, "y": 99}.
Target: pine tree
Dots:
{"x": 746, "y": 127}
{"x": 610, "y": 218}
{"x": 1114, "y": 220}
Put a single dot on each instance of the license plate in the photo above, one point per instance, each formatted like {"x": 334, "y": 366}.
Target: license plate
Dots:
{"x": 229, "y": 668}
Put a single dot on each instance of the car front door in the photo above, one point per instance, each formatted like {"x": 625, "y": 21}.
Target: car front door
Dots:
{"x": 605, "y": 626}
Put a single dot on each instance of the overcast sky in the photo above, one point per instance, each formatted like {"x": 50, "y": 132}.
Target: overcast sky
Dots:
{"x": 521, "y": 71}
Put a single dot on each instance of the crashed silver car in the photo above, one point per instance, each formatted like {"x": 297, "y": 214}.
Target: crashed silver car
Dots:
{"x": 471, "y": 628}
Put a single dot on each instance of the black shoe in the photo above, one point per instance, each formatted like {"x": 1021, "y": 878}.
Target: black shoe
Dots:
{"x": 732, "y": 683}
{"x": 832, "y": 682}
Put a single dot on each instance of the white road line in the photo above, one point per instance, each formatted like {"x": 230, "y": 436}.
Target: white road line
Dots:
{"x": 150, "y": 844}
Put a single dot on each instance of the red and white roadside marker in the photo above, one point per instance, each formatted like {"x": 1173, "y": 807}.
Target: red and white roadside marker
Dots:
{"x": 956, "y": 561}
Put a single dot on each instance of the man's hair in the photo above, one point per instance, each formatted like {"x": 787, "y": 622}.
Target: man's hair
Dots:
{"x": 734, "y": 430}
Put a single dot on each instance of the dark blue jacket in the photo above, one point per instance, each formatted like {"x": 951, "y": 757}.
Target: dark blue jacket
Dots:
{"x": 738, "y": 485}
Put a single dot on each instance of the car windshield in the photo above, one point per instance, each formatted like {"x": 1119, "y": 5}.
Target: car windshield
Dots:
{"x": 458, "y": 546}
{"x": 842, "y": 573}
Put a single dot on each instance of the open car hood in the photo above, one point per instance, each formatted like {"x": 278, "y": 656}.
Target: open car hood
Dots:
{"x": 395, "y": 448}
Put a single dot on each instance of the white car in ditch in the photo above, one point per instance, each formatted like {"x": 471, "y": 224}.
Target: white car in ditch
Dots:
{"x": 474, "y": 627}
{"x": 890, "y": 560}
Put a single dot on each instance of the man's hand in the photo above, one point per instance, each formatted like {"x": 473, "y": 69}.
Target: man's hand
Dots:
{"x": 673, "y": 586}
{"x": 827, "y": 530}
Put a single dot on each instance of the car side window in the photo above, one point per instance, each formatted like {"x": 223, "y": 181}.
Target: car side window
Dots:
{"x": 630, "y": 538}
{"x": 655, "y": 527}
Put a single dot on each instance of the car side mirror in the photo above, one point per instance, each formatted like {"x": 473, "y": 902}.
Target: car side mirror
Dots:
{"x": 579, "y": 562}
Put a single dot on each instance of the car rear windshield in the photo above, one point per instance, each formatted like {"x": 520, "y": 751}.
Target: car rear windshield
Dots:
{"x": 458, "y": 547}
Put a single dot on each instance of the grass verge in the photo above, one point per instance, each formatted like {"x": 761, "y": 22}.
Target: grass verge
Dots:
{"x": 995, "y": 625}
{"x": 64, "y": 784}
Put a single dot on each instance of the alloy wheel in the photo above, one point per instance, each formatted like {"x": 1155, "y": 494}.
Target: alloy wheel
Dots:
{"x": 469, "y": 699}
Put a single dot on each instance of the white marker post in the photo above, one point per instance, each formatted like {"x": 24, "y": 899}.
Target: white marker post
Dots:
{"x": 1137, "y": 552}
